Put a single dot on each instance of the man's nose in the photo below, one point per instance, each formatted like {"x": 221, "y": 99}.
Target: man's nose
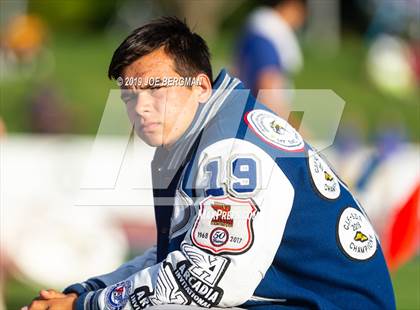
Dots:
{"x": 144, "y": 103}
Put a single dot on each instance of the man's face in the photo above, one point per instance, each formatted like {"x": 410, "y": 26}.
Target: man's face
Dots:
{"x": 160, "y": 115}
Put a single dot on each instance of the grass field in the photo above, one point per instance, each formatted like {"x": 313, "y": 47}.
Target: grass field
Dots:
{"x": 406, "y": 285}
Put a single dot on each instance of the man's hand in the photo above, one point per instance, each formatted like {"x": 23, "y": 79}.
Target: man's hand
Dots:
{"x": 50, "y": 294}
{"x": 52, "y": 300}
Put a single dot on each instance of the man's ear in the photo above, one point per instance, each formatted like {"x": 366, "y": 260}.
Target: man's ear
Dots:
{"x": 204, "y": 87}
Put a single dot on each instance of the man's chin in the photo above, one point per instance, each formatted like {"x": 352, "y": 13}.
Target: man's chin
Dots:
{"x": 154, "y": 142}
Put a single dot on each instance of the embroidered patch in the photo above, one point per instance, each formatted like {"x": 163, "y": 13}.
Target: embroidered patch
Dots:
{"x": 206, "y": 267}
{"x": 356, "y": 235}
{"x": 117, "y": 295}
{"x": 198, "y": 291}
{"x": 140, "y": 299}
{"x": 324, "y": 179}
{"x": 274, "y": 130}
{"x": 224, "y": 225}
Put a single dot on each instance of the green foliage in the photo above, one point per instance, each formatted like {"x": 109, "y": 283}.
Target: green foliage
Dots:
{"x": 74, "y": 15}
{"x": 79, "y": 78}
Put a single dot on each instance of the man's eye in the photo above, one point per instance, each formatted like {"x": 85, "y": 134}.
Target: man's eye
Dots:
{"x": 129, "y": 99}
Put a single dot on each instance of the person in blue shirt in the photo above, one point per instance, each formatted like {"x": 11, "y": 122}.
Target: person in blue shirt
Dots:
{"x": 247, "y": 213}
{"x": 268, "y": 54}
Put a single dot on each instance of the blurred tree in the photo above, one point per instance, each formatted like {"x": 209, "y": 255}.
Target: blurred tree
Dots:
{"x": 75, "y": 15}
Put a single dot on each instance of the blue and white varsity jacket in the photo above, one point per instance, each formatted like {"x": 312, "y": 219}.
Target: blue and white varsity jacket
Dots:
{"x": 248, "y": 215}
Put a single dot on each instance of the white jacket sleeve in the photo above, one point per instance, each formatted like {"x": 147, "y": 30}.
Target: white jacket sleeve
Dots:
{"x": 231, "y": 243}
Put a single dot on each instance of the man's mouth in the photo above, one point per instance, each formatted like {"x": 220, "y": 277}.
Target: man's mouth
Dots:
{"x": 149, "y": 126}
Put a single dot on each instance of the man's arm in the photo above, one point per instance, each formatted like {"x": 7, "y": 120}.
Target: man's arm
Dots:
{"x": 123, "y": 272}
{"x": 49, "y": 299}
{"x": 265, "y": 73}
{"x": 271, "y": 83}
{"x": 231, "y": 244}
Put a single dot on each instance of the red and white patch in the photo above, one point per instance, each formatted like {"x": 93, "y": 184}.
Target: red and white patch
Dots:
{"x": 274, "y": 130}
{"x": 224, "y": 225}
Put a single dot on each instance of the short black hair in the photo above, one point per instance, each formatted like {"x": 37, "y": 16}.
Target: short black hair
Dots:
{"x": 189, "y": 51}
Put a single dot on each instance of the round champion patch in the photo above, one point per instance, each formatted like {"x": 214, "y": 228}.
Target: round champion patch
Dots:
{"x": 274, "y": 130}
{"x": 323, "y": 177}
{"x": 356, "y": 235}
{"x": 117, "y": 295}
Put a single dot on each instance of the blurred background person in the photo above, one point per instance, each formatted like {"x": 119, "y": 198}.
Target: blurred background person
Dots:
{"x": 268, "y": 53}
